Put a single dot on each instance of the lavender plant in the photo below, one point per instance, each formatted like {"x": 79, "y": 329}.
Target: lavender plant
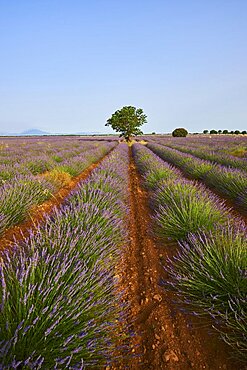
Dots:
{"x": 208, "y": 273}
{"x": 74, "y": 166}
{"x": 58, "y": 178}
{"x": 231, "y": 183}
{"x": 194, "y": 167}
{"x": 208, "y": 154}
{"x": 39, "y": 165}
{"x": 17, "y": 198}
{"x": 153, "y": 169}
{"x": 183, "y": 207}
{"x": 23, "y": 192}
{"x": 9, "y": 172}
{"x": 242, "y": 200}
{"x": 234, "y": 331}
{"x": 209, "y": 276}
{"x": 59, "y": 306}
{"x": 23, "y": 156}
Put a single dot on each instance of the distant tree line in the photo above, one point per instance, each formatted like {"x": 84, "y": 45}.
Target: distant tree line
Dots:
{"x": 214, "y": 132}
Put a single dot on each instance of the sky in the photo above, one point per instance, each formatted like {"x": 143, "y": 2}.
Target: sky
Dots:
{"x": 67, "y": 65}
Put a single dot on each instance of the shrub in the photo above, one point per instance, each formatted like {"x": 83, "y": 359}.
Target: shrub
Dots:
{"x": 57, "y": 158}
{"x": 58, "y": 178}
{"x": 152, "y": 178}
{"x": 209, "y": 275}
{"x": 238, "y": 152}
{"x": 38, "y": 165}
{"x": 229, "y": 182}
{"x": 183, "y": 208}
{"x": 153, "y": 168}
{"x": 16, "y": 199}
{"x": 180, "y": 132}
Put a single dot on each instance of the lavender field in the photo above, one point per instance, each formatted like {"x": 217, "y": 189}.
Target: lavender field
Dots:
{"x": 71, "y": 295}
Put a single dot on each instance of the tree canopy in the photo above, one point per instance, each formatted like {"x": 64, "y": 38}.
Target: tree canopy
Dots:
{"x": 127, "y": 121}
{"x": 179, "y": 132}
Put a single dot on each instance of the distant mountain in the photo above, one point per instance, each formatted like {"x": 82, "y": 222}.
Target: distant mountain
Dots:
{"x": 33, "y": 131}
{"x": 37, "y": 132}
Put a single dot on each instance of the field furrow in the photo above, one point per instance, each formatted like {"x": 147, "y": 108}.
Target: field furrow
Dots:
{"x": 227, "y": 182}
{"x": 205, "y": 271}
{"x": 165, "y": 338}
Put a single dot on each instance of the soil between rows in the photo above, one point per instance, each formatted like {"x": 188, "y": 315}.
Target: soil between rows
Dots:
{"x": 165, "y": 338}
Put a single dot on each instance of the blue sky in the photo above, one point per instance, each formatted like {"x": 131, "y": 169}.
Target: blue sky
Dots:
{"x": 66, "y": 66}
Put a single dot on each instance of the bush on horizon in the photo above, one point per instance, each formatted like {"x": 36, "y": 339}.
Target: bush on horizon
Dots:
{"x": 180, "y": 132}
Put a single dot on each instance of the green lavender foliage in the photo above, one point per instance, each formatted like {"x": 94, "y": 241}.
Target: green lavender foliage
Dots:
{"x": 209, "y": 271}
{"x": 209, "y": 275}
{"x": 183, "y": 207}
{"x": 153, "y": 169}
{"x": 18, "y": 196}
{"x": 16, "y": 199}
{"x": 59, "y": 304}
{"x": 228, "y": 182}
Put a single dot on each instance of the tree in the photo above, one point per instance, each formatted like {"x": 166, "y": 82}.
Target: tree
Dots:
{"x": 237, "y": 132}
{"x": 127, "y": 121}
{"x": 205, "y": 131}
{"x": 219, "y": 131}
{"x": 213, "y": 132}
{"x": 244, "y": 132}
{"x": 180, "y": 132}
{"x": 225, "y": 132}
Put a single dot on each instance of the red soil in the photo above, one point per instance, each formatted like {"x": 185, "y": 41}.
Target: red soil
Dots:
{"x": 165, "y": 338}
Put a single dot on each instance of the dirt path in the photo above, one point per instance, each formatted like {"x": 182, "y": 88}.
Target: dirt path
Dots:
{"x": 165, "y": 338}
{"x": 37, "y": 213}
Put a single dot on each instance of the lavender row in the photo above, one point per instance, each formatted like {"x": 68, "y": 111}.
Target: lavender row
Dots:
{"x": 208, "y": 273}
{"x": 231, "y": 183}
{"x": 18, "y": 150}
{"x": 209, "y": 155}
{"x": 232, "y": 145}
{"x": 23, "y": 192}
{"x": 59, "y": 305}
{"x": 181, "y": 206}
{"x": 38, "y": 157}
